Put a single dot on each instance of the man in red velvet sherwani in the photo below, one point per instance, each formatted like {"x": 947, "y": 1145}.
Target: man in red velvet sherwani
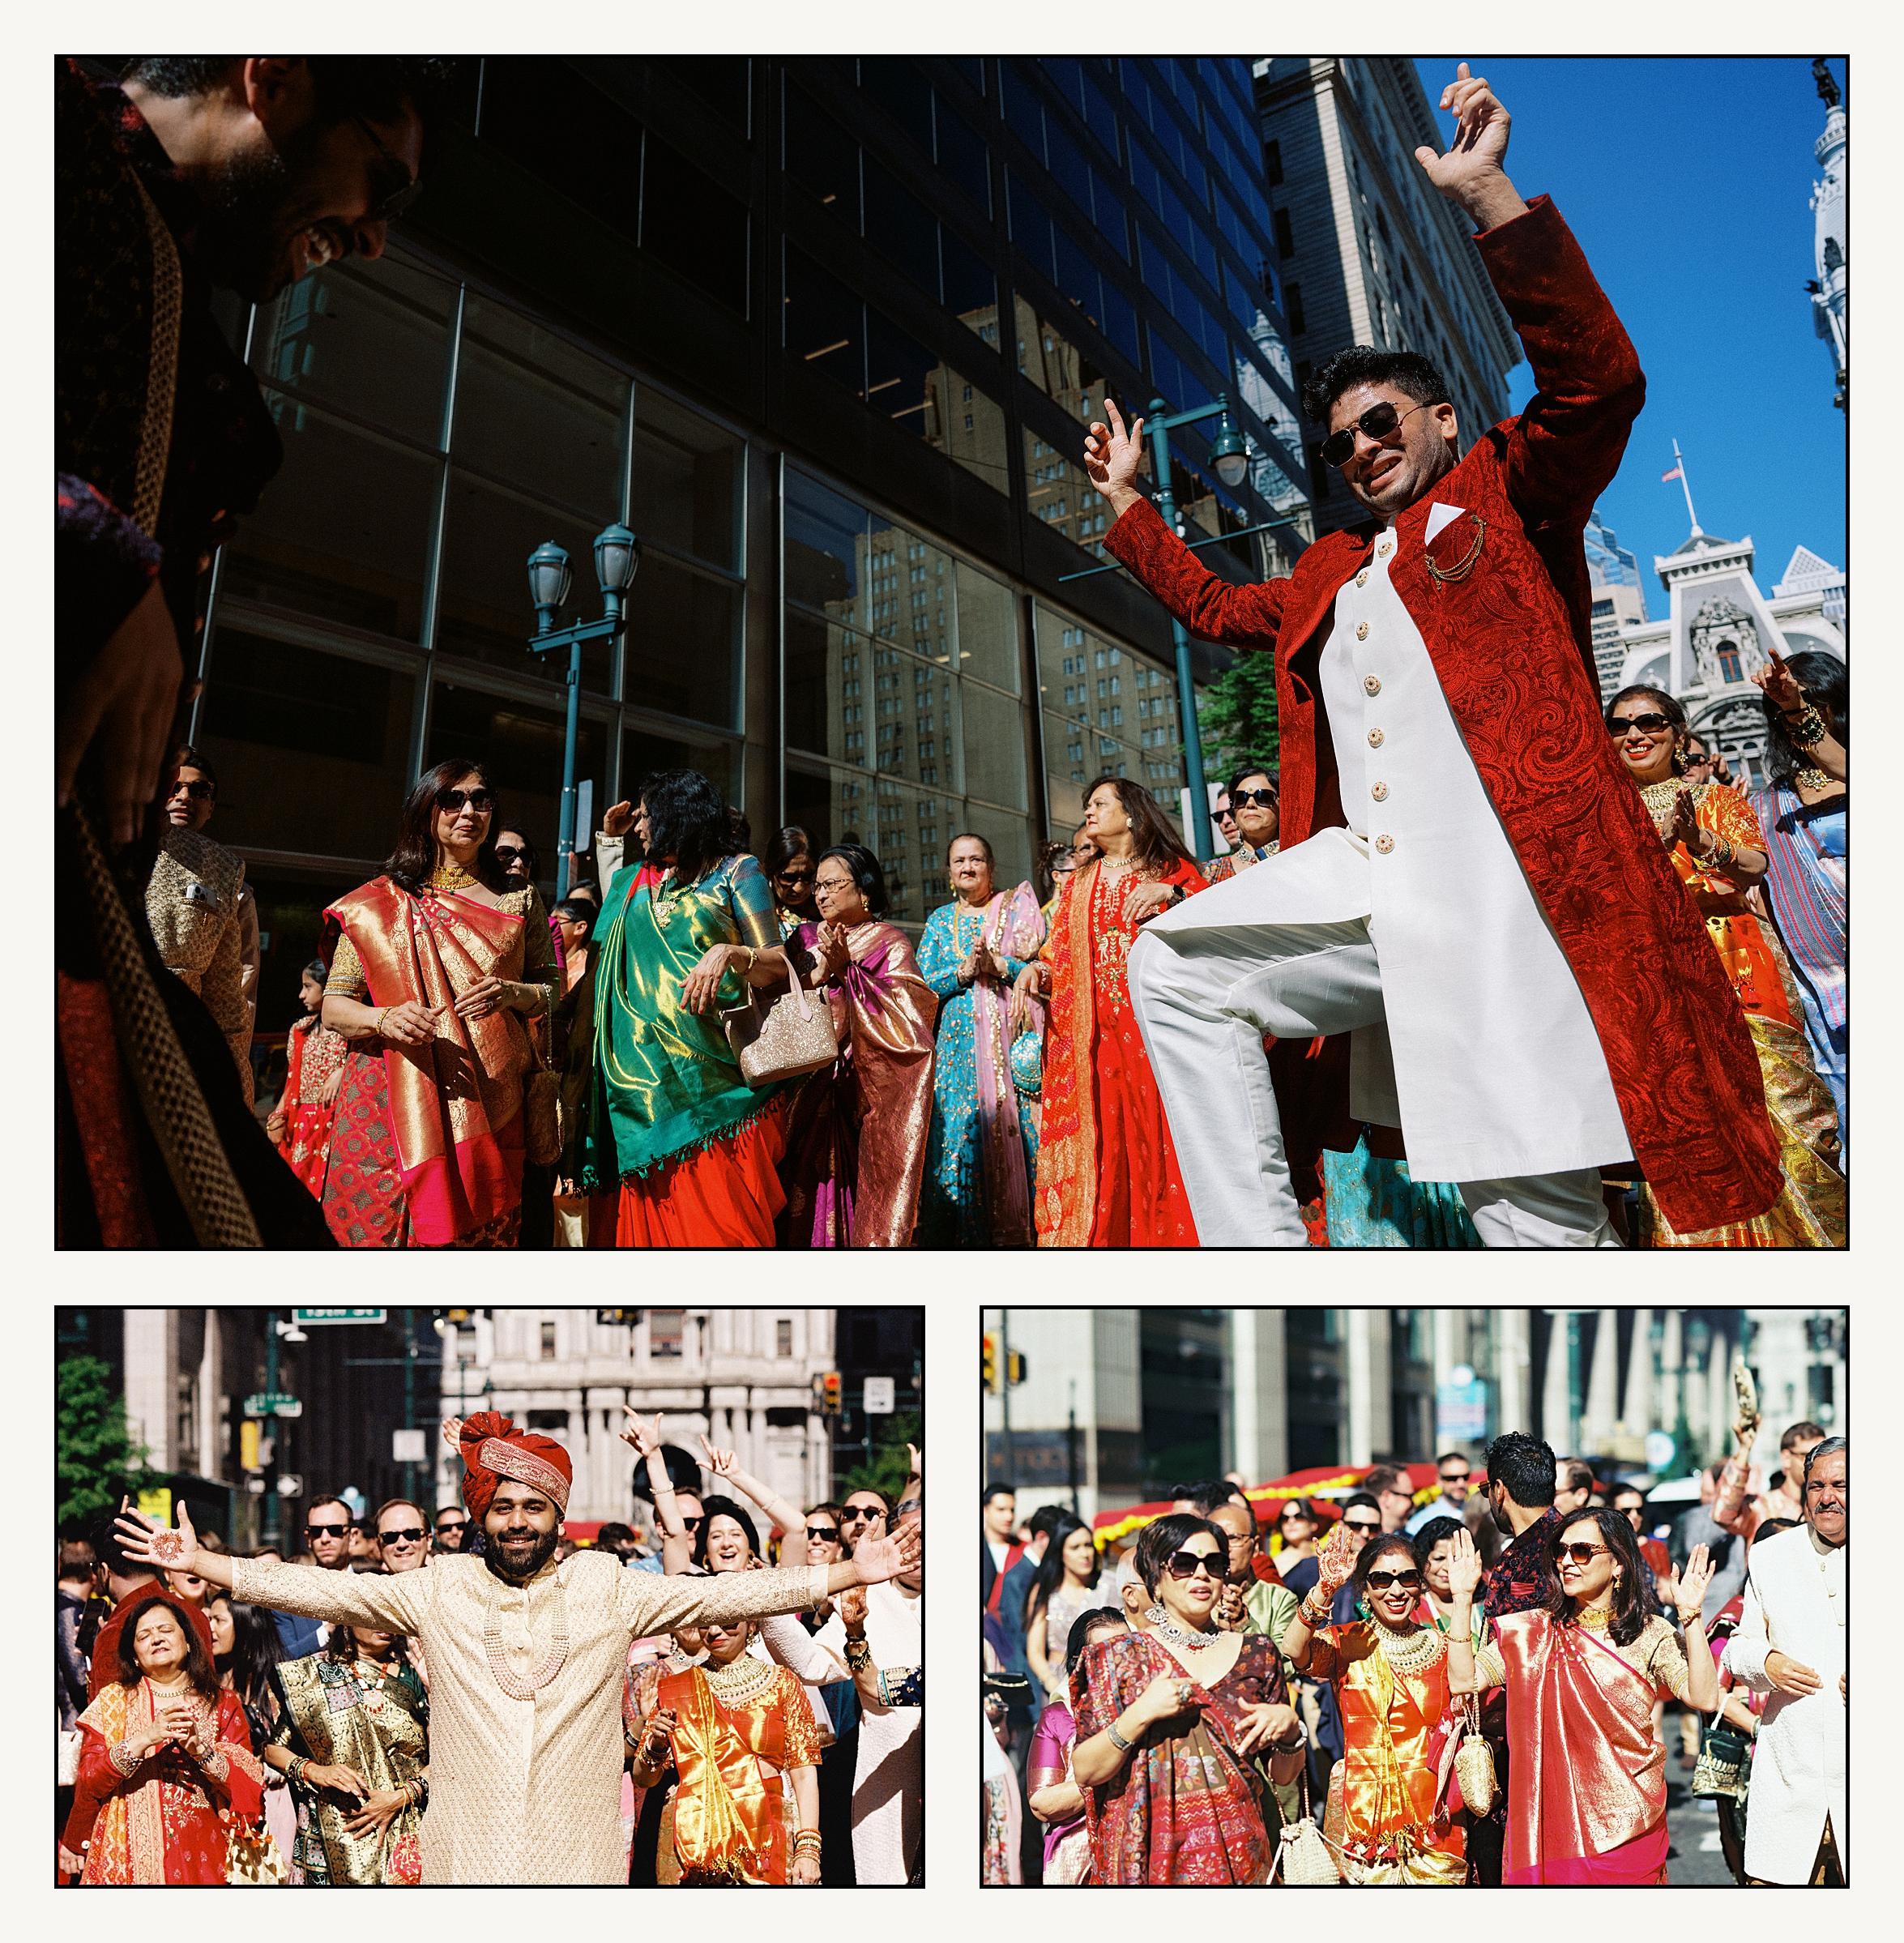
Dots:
{"x": 1467, "y": 886}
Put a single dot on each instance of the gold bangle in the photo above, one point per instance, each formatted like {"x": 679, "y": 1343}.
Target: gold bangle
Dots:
{"x": 376, "y": 1029}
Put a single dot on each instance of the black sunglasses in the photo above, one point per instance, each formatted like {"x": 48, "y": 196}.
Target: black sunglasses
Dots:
{"x": 1266, "y": 797}
{"x": 692, "y": 1524}
{"x": 1356, "y": 1524}
{"x": 1338, "y": 448}
{"x": 199, "y": 791}
{"x": 507, "y": 854}
{"x": 409, "y": 1535}
{"x": 402, "y": 188}
{"x": 478, "y": 799}
{"x": 1380, "y": 1581}
{"x": 1187, "y": 1564}
{"x": 859, "y": 1512}
{"x": 1652, "y": 722}
{"x": 825, "y": 1534}
{"x": 797, "y": 877}
{"x": 451, "y": 1524}
{"x": 325, "y": 1531}
{"x": 1454, "y": 1477}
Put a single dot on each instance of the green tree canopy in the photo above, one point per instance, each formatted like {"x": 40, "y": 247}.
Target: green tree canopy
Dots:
{"x": 888, "y": 1468}
{"x": 1237, "y": 717}
{"x": 98, "y": 1458}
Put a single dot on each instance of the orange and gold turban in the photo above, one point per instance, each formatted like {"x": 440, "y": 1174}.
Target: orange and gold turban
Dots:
{"x": 493, "y": 1448}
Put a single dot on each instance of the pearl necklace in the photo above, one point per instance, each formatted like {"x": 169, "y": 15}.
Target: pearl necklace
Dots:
{"x": 1195, "y": 1642}
{"x": 511, "y": 1682}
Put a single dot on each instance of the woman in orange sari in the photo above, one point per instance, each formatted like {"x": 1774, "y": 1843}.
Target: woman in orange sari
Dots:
{"x": 1719, "y": 853}
{"x": 1587, "y": 1780}
{"x": 1388, "y": 1814}
{"x": 437, "y": 969}
{"x": 740, "y": 1737}
{"x": 164, "y": 1752}
{"x": 1107, "y": 1170}
{"x": 306, "y": 1108}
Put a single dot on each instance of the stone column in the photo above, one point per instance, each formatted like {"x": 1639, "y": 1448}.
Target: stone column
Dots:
{"x": 151, "y": 1385}
{"x": 1603, "y": 1384}
{"x": 1512, "y": 1410}
{"x": 1361, "y": 1385}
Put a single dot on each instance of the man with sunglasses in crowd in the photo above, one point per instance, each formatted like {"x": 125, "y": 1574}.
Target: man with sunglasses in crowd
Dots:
{"x": 182, "y": 176}
{"x": 1451, "y": 1471}
{"x": 1466, "y": 885}
{"x": 327, "y": 1523}
{"x": 451, "y": 1522}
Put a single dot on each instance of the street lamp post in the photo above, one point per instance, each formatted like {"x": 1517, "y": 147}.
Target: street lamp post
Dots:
{"x": 1231, "y": 462}
{"x": 617, "y": 556}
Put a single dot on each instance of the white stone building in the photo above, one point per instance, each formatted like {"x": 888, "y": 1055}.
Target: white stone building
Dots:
{"x": 743, "y": 1377}
{"x": 1831, "y": 292}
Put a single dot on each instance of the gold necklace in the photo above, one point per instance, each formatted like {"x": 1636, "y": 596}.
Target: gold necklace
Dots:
{"x": 1596, "y": 1619}
{"x": 1660, "y": 797}
{"x": 742, "y": 1679}
{"x": 449, "y": 875}
{"x": 1409, "y": 1652}
{"x": 1814, "y": 779}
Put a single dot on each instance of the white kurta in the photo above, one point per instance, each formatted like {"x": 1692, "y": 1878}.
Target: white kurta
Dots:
{"x": 526, "y": 1791}
{"x": 1795, "y": 1602}
{"x": 889, "y": 1781}
{"x": 1497, "y": 1069}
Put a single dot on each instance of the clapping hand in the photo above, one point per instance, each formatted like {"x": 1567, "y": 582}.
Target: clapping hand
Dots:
{"x": 830, "y": 942}
{"x": 1689, "y": 1595}
{"x": 876, "y": 1559}
{"x": 645, "y": 1440}
{"x": 1681, "y": 824}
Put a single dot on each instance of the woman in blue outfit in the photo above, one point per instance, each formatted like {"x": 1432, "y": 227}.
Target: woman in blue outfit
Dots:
{"x": 981, "y": 1159}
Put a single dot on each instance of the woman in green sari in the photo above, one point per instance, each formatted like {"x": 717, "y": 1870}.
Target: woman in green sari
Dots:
{"x": 692, "y": 1148}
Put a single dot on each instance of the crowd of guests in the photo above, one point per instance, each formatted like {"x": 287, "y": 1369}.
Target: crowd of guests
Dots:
{"x": 1468, "y": 1691}
{"x": 205, "y": 1741}
{"x": 705, "y": 1048}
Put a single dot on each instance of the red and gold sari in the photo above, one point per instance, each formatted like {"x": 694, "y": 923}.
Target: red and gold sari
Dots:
{"x": 1108, "y": 1174}
{"x": 1587, "y": 1780}
{"x": 738, "y": 1729}
{"x": 316, "y": 1058}
{"x": 160, "y": 1823}
{"x": 1810, "y": 1211}
{"x": 428, "y": 1143}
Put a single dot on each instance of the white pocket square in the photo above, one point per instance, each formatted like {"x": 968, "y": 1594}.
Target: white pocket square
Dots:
{"x": 1440, "y": 516}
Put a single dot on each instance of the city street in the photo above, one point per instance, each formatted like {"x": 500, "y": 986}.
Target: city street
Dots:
{"x": 1695, "y": 1860}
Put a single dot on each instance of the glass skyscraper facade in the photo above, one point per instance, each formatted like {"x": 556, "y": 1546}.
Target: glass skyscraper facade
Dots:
{"x": 826, "y": 333}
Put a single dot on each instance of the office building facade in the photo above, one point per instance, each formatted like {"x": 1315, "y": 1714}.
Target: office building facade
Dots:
{"x": 1619, "y": 600}
{"x": 1369, "y": 252}
{"x": 826, "y": 333}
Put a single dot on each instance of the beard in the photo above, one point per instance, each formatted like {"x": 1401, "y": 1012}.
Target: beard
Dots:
{"x": 245, "y": 238}
{"x": 540, "y": 1554}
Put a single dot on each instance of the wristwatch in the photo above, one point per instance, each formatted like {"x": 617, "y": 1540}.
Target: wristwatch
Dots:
{"x": 1118, "y": 1741}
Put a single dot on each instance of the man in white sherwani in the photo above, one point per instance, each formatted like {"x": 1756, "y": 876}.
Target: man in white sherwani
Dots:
{"x": 526, "y": 1656}
{"x": 1791, "y": 1644}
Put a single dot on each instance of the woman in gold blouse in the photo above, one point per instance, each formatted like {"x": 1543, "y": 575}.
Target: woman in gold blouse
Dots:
{"x": 439, "y": 969}
{"x": 742, "y": 1740}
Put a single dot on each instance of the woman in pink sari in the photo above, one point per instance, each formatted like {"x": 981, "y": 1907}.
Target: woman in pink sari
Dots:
{"x": 1587, "y": 1780}
{"x": 437, "y": 969}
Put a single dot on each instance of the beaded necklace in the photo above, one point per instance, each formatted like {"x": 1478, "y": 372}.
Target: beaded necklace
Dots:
{"x": 1409, "y": 1652}
{"x": 514, "y": 1684}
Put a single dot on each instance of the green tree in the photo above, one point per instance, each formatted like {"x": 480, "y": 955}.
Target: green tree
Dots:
{"x": 888, "y": 1468}
{"x": 99, "y": 1460}
{"x": 1237, "y": 717}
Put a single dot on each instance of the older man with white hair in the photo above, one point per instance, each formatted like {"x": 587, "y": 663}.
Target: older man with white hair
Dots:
{"x": 1791, "y": 1644}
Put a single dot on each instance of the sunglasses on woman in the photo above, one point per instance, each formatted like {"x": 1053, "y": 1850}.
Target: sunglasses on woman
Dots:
{"x": 478, "y": 799}
{"x": 823, "y": 1535}
{"x": 1378, "y": 421}
{"x": 795, "y": 876}
{"x": 1652, "y": 722}
{"x": 1266, "y": 797}
{"x": 1580, "y": 1554}
{"x": 1380, "y": 1581}
{"x": 507, "y": 854}
{"x": 1187, "y": 1564}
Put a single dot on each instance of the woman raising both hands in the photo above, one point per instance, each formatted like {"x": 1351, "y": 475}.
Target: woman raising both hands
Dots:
{"x": 1587, "y": 1780}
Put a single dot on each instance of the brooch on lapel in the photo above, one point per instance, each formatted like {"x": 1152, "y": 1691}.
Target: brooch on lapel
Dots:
{"x": 1463, "y": 566}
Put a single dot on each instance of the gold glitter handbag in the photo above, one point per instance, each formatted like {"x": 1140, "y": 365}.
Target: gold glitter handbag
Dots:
{"x": 1474, "y": 1764}
{"x": 793, "y": 1035}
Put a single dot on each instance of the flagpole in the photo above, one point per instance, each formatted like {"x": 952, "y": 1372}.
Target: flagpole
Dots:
{"x": 1686, "y": 487}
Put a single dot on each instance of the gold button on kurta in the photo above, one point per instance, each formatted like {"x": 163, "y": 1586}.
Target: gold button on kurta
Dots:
{"x": 1375, "y": 738}
{"x": 1379, "y": 792}
{"x": 1385, "y": 844}
{"x": 1371, "y": 685}
{"x": 526, "y": 1791}
{"x": 1361, "y": 630}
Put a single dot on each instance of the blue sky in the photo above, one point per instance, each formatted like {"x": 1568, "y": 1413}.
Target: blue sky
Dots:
{"x": 1689, "y": 183}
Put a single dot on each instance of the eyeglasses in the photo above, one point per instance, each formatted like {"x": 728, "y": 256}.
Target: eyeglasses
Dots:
{"x": 507, "y": 854}
{"x": 403, "y": 187}
{"x": 409, "y": 1535}
{"x": 832, "y": 884}
{"x": 1356, "y": 1524}
{"x": 1380, "y": 1581}
{"x": 1266, "y": 797}
{"x": 1580, "y": 1554}
{"x": 1187, "y": 1564}
{"x": 824, "y": 1534}
{"x": 326, "y": 1530}
{"x": 1652, "y": 722}
{"x": 478, "y": 799}
{"x": 1378, "y": 421}
{"x": 200, "y": 791}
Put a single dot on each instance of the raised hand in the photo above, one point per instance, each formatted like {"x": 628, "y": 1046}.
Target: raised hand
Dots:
{"x": 148, "y": 1543}
{"x": 1689, "y": 1595}
{"x": 1781, "y": 687}
{"x": 876, "y": 1560}
{"x": 912, "y": 1469}
{"x": 452, "y": 1432}
{"x": 720, "y": 1462}
{"x": 1464, "y": 1565}
{"x": 618, "y": 821}
{"x": 1112, "y": 456}
{"x": 1334, "y": 1560}
{"x": 645, "y": 1440}
{"x": 852, "y": 1606}
{"x": 1474, "y": 171}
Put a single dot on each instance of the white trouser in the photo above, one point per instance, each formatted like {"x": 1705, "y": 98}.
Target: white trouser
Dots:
{"x": 1204, "y": 1001}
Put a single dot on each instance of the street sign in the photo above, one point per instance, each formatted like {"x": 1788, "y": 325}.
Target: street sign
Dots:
{"x": 1660, "y": 1450}
{"x": 408, "y": 1447}
{"x": 273, "y": 1404}
{"x": 304, "y": 1317}
{"x": 878, "y": 1399}
{"x": 290, "y": 1485}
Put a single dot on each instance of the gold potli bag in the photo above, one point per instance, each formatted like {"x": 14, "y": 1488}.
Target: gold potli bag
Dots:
{"x": 1474, "y": 1764}
{"x": 252, "y": 1857}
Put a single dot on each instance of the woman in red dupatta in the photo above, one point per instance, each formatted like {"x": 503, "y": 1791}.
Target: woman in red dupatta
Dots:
{"x": 1171, "y": 1724}
{"x": 856, "y": 1134}
{"x": 307, "y": 1108}
{"x": 1107, "y": 1170}
{"x": 1587, "y": 1780}
{"x": 435, "y": 969}
{"x": 164, "y": 1755}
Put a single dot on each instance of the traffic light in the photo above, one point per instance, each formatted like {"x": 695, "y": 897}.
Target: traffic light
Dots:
{"x": 625, "y": 1318}
{"x": 248, "y": 1456}
{"x": 829, "y": 1394}
{"x": 988, "y": 1365}
{"x": 1014, "y": 1368}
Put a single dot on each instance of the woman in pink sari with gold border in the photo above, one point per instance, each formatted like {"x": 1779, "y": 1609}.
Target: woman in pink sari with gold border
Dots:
{"x": 1587, "y": 1780}
{"x": 437, "y": 970}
